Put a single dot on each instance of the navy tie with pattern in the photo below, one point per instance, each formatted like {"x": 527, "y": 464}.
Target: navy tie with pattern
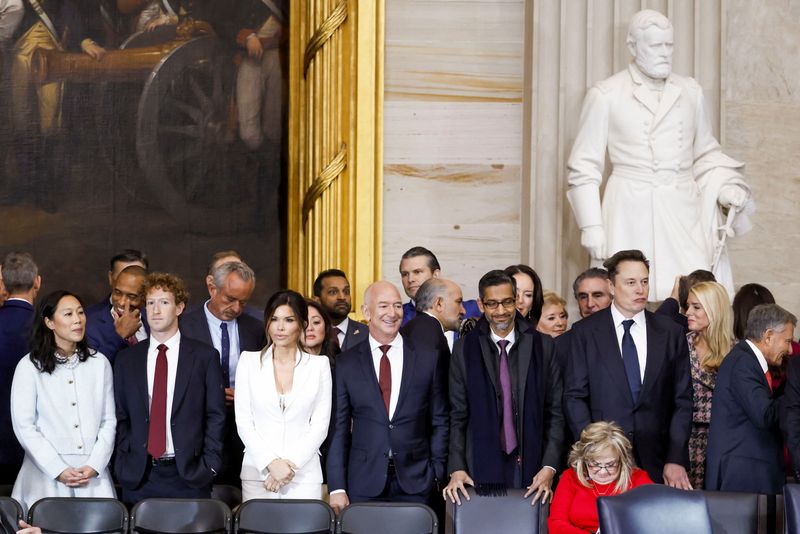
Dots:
{"x": 226, "y": 355}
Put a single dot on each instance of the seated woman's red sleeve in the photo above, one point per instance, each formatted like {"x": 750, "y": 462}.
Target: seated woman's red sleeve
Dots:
{"x": 558, "y": 522}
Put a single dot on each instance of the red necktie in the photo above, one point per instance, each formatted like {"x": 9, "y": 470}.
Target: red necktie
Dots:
{"x": 769, "y": 379}
{"x": 334, "y": 336}
{"x": 131, "y": 341}
{"x": 385, "y": 377}
{"x": 157, "y": 435}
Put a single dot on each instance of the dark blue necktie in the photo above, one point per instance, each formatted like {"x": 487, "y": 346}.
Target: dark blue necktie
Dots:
{"x": 226, "y": 355}
{"x": 630, "y": 357}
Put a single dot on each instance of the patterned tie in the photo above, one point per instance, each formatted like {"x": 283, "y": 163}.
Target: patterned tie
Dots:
{"x": 157, "y": 435}
{"x": 334, "y": 335}
{"x": 226, "y": 355}
{"x": 509, "y": 437}
{"x": 385, "y": 377}
{"x": 630, "y": 357}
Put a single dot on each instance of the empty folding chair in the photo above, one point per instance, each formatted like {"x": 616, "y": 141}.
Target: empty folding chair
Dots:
{"x": 388, "y": 518}
{"x": 180, "y": 516}
{"x": 10, "y": 512}
{"x": 500, "y": 515}
{"x": 654, "y": 509}
{"x": 271, "y": 516}
{"x": 72, "y": 515}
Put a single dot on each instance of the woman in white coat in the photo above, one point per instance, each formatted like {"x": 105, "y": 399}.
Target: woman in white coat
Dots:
{"x": 62, "y": 408}
{"x": 283, "y": 405}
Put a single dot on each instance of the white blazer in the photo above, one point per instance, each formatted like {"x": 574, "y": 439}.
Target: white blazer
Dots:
{"x": 269, "y": 432}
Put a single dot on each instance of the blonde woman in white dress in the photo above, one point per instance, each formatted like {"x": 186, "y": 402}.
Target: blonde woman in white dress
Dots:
{"x": 283, "y": 405}
{"x": 62, "y": 408}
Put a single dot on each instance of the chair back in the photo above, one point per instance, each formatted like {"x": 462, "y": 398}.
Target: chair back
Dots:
{"x": 388, "y": 518}
{"x": 272, "y": 516}
{"x": 10, "y": 513}
{"x": 732, "y": 512}
{"x": 654, "y": 508}
{"x": 500, "y": 515}
{"x": 791, "y": 504}
{"x": 180, "y": 516}
{"x": 74, "y": 515}
{"x": 230, "y": 495}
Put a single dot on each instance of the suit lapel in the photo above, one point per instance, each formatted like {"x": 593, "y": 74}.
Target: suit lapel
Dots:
{"x": 524, "y": 352}
{"x": 656, "y": 353}
{"x": 139, "y": 372}
{"x": 409, "y": 361}
{"x": 670, "y": 95}
{"x": 605, "y": 337}
{"x": 489, "y": 357}
{"x": 182, "y": 375}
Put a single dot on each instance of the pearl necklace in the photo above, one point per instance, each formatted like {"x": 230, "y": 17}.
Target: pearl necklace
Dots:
{"x": 68, "y": 362}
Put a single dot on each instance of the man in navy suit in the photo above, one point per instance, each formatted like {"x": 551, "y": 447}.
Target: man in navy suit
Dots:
{"x": 506, "y": 422}
{"x": 441, "y": 309}
{"x": 745, "y": 449}
{"x": 170, "y": 405}
{"x": 111, "y": 328}
{"x": 22, "y": 282}
{"x": 390, "y": 432}
{"x": 332, "y": 291}
{"x": 630, "y": 366}
{"x": 222, "y": 324}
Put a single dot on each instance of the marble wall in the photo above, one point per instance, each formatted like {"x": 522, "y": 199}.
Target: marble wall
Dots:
{"x": 481, "y": 107}
{"x": 453, "y": 134}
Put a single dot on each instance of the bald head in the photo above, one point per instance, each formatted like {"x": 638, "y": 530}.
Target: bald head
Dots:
{"x": 383, "y": 310}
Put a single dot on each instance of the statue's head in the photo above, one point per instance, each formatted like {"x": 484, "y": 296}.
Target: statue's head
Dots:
{"x": 650, "y": 42}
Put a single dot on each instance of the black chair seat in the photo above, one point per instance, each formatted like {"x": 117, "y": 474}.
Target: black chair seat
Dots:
{"x": 73, "y": 515}
{"x": 388, "y": 518}
{"x": 511, "y": 514}
{"x": 654, "y": 509}
{"x": 10, "y": 514}
{"x": 271, "y": 516}
{"x": 180, "y": 516}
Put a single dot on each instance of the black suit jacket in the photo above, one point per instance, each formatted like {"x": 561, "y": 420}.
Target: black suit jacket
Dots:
{"x": 100, "y": 332}
{"x": 596, "y": 389}
{"x": 548, "y": 388}
{"x": 197, "y": 418}
{"x": 790, "y": 413}
{"x": 356, "y": 333}
{"x": 15, "y": 325}
{"x": 194, "y": 324}
{"x": 425, "y": 332}
{"x": 363, "y": 434}
{"x": 745, "y": 450}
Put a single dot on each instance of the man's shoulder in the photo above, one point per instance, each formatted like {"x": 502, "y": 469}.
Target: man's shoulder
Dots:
{"x": 98, "y": 310}
{"x": 197, "y": 348}
{"x": 193, "y": 321}
{"x": 685, "y": 82}
{"x": 665, "y": 323}
{"x": 250, "y": 323}
{"x": 596, "y": 320}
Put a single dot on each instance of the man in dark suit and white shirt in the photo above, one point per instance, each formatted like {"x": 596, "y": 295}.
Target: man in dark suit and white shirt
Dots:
{"x": 390, "y": 434}
{"x": 170, "y": 405}
{"x": 440, "y": 309}
{"x": 630, "y": 366}
{"x": 506, "y": 422}
{"x": 332, "y": 291}
{"x": 22, "y": 282}
{"x": 112, "y": 327}
{"x": 745, "y": 448}
{"x": 221, "y": 324}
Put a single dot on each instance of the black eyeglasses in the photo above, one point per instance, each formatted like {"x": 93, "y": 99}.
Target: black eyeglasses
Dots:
{"x": 493, "y": 304}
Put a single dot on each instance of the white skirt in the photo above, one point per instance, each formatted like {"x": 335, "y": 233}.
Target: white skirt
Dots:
{"x": 254, "y": 489}
{"x": 32, "y": 484}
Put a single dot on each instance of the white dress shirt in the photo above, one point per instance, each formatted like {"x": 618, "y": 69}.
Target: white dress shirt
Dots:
{"x": 215, "y": 327}
{"x": 511, "y": 338}
{"x": 638, "y": 333}
{"x": 173, "y": 348}
{"x": 395, "y": 355}
{"x": 342, "y": 330}
{"x": 762, "y": 361}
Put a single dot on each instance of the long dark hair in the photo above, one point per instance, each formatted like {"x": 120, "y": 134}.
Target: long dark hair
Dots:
{"x": 748, "y": 297}
{"x": 43, "y": 340}
{"x": 538, "y": 293}
{"x": 328, "y": 347}
{"x": 293, "y": 299}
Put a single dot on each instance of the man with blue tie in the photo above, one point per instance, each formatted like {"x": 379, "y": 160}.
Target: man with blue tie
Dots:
{"x": 417, "y": 266}
{"x": 391, "y": 424}
{"x": 506, "y": 422}
{"x": 22, "y": 282}
{"x": 630, "y": 366}
{"x": 220, "y": 323}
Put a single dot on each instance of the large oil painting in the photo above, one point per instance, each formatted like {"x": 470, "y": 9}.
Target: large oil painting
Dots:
{"x": 150, "y": 124}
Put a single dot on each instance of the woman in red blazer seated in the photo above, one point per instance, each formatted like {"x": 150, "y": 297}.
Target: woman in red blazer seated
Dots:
{"x": 601, "y": 464}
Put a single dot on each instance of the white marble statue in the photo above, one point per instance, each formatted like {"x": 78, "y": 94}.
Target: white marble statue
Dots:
{"x": 671, "y": 186}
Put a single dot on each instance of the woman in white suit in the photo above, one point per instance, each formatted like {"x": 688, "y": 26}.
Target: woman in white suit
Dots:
{"x": 62, "y": 408}
{"x": 283, "y": 405}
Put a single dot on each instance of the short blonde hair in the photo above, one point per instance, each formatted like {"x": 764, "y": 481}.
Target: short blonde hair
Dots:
{"x": 719, "y": 334}
{"x": 551, "y": 297}
{"x": 596, "y": 438}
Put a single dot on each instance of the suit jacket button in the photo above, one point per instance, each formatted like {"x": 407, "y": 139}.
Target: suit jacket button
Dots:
{"x": 391, "y": 427}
